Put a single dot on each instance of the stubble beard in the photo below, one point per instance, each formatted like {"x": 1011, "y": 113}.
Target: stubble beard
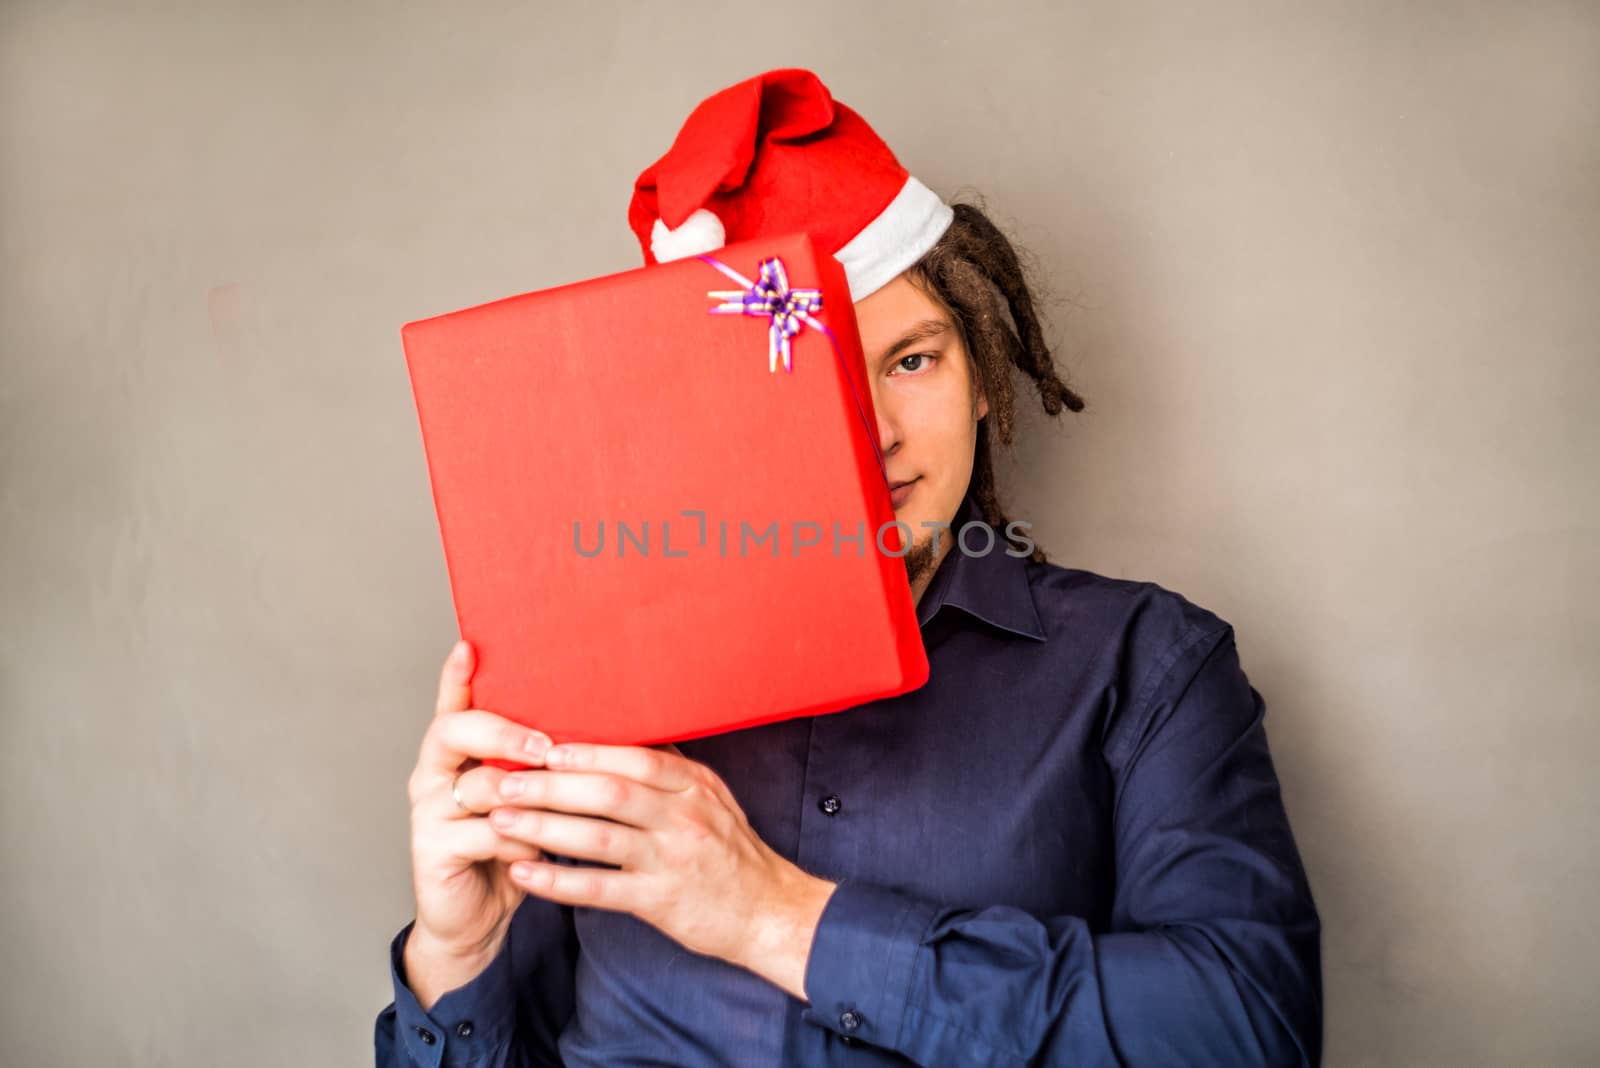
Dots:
{"x": 919, "y": 561}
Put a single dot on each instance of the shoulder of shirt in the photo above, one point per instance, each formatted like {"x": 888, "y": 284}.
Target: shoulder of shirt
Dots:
{"x": 1141, "y": 626}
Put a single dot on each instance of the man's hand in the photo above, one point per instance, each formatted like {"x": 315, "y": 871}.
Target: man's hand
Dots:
{"x": 465, "y": 898}
{"x": 690, "y": 864}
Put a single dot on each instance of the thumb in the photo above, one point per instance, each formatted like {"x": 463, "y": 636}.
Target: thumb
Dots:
{"x": 455, "y": 680}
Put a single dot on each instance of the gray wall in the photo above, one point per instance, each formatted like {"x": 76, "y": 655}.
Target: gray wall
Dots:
{"x": 1326, "y": 276}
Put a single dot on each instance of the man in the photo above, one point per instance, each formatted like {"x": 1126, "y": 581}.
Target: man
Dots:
{"x": 1068, "y": 847}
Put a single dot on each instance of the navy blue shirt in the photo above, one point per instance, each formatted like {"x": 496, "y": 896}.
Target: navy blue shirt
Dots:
{"x": 1067, "y": 848}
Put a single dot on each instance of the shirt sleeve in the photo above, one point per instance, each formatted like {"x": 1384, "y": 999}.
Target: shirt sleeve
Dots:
{"x": 1213, "y": 954}
{"x": 508, "y": 1016}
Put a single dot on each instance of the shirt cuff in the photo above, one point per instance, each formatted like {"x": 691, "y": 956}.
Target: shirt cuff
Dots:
{"x": 858, "y": 976}
{"x": 466, "y": 1023}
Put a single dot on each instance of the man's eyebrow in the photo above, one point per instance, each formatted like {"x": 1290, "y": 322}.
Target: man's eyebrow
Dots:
{"x": 921, "y": 332}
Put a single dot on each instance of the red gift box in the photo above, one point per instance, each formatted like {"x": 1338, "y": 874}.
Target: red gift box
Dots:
{"x": 654, "y": 530}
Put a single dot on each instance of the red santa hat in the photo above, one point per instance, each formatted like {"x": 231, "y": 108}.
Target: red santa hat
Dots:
{"x": 776, "y": 154}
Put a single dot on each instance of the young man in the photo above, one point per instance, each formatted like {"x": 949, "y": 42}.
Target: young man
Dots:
{"x": 1067, "y": 848}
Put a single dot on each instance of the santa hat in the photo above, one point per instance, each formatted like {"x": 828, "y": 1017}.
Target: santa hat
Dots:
{"x": 776, "y": 154}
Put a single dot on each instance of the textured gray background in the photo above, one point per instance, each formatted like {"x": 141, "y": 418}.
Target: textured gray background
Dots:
{"x": 1326, "y": 277}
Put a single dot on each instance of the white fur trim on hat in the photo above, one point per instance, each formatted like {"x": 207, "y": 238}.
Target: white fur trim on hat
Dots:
{"x": 701, "y": 232}
{"x": 901, "y": 234}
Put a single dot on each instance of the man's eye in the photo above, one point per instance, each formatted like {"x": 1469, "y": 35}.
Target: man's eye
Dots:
{"x": 914, "y": 362}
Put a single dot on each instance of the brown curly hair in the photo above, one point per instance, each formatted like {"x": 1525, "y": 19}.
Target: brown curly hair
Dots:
{"x": 977, "y": 276}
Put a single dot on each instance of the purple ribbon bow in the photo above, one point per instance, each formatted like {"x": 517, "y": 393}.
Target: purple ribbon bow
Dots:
{"x": 770, "y": 297}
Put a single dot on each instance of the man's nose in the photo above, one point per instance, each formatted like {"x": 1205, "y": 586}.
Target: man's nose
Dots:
{"x": 888, "y": 429}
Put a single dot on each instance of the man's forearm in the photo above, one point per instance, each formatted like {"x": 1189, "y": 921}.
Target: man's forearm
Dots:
{"x": 780, "y": 944}
{"x": 432, "y": 970}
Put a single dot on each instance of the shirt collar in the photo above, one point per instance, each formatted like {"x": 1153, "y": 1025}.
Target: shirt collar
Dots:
{"x": 993, "y": 587}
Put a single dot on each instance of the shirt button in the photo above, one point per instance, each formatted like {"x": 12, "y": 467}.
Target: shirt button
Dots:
{"x": 464, "y": 1028}
{"x": 830, "y": 804}
{"x": 427, "y": 1036}
{"x": 850, "y": 1019}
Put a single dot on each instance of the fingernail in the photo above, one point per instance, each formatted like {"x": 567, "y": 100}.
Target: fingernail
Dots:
{"x": 510, "y": 786}
{"x": 536, "y": 743}
{"x": 459, "y": 653}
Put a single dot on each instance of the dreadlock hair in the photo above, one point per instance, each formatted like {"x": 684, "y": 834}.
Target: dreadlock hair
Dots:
{"x": 976, "y": 275}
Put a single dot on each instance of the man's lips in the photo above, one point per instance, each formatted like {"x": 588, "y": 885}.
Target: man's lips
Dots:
{"x": 899, "y": 491}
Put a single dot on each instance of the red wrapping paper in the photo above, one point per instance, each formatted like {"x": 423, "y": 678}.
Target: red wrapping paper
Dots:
{"x": 550, "y": 418}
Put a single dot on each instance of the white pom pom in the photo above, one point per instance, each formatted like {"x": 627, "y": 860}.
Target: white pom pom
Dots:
{"x": 700, "y": 232}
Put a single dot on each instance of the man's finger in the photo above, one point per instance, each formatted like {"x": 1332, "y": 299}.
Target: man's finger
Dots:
{"x": 652, "y": 765}
{"x": 452, "y": 739}
{"x": 455, "y": 680}
{"x": 479, "y": 788}
{"x": 476, "y": 839}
